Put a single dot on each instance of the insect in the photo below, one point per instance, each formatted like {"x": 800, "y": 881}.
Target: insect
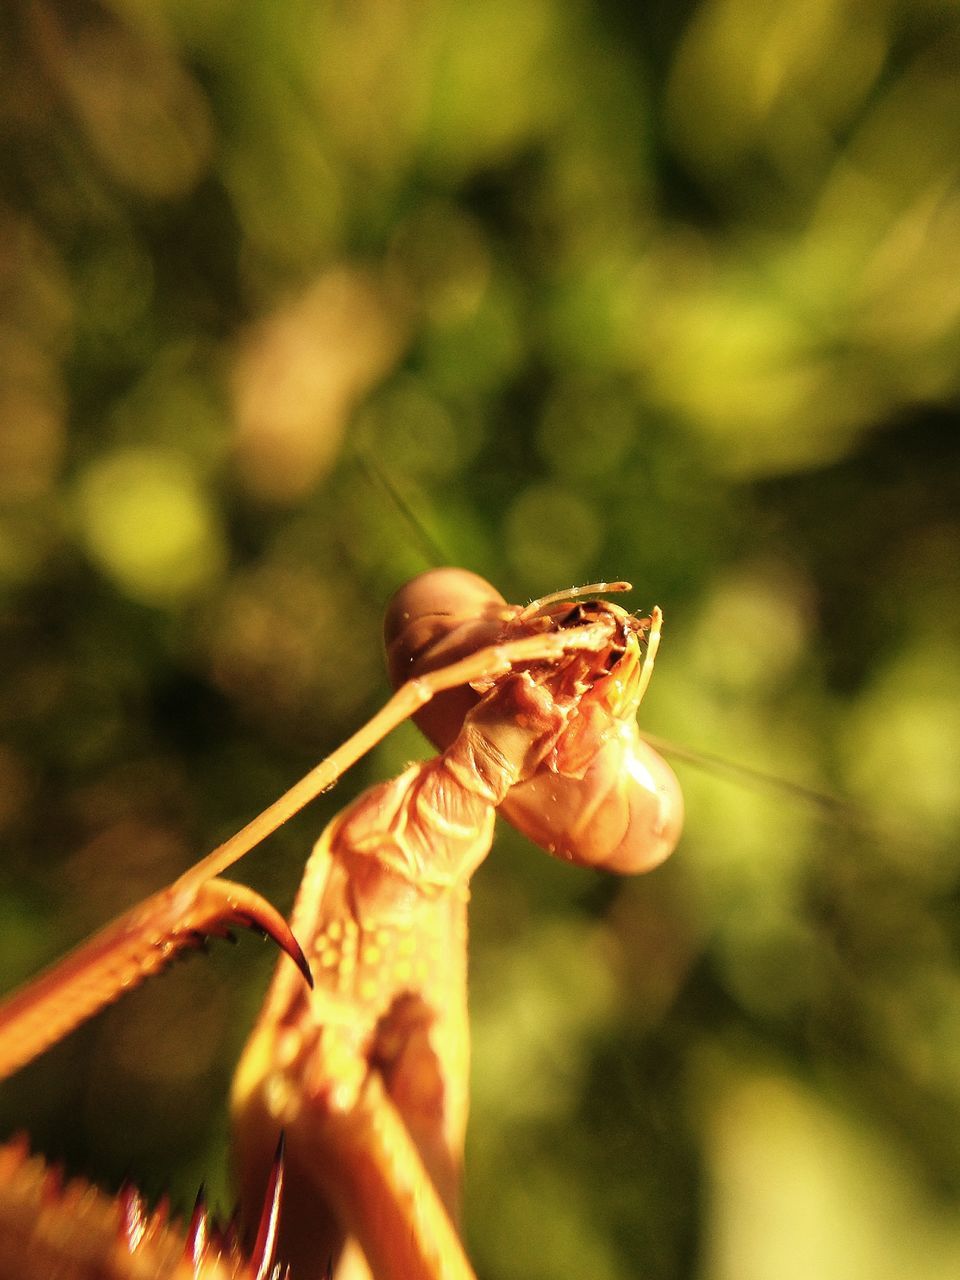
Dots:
{"x": 364, "y": 1072}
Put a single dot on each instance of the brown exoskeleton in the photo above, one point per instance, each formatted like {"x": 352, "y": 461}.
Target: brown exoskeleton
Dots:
{"x": 534, "y": 711}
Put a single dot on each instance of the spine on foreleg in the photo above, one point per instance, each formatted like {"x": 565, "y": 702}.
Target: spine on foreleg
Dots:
{"x": 67, "y": 1229}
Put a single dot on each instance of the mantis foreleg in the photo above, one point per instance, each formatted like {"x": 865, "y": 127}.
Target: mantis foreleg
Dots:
{"x": 144, "y": 939}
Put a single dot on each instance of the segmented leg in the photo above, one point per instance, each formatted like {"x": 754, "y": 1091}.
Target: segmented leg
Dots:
{"x": 141, "y": 941}
{"x": 50, "y": 1228}
{"x": 367, "y": 1073}
{"x": 485, "y": 664}
{"x": 136, "y": 945}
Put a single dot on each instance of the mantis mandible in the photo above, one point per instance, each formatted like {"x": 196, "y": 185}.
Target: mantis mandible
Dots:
{"x": 364, "y": 1071}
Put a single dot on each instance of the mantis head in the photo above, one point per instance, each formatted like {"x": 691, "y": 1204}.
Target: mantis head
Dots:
{"x": 600, "y": 796}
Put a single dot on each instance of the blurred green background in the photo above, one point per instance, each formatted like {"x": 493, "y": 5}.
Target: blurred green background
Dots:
{"x": 666, "y": 292}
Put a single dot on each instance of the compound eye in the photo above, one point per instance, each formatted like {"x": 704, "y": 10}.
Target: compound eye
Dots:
{"x": 435, "y": 603}
{"x": 437, "y": 618}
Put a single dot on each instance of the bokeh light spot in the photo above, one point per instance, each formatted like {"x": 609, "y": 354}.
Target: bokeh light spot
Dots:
{"x": 142, "y": 112}
{"x": 149, "y": 526}
{"x": 552, "y": 536}
{"x": 299, "y": 373}
{"x": 586, "y": 430}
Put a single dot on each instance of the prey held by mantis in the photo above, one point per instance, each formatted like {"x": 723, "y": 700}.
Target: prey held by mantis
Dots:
{"x": 359, "y": 1058}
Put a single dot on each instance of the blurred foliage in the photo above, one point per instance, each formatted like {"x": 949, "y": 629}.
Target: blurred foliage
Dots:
{"x": 662, "y": 292}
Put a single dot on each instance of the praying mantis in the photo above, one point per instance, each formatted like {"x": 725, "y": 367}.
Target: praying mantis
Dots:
{"x": 357, "y": 1066}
